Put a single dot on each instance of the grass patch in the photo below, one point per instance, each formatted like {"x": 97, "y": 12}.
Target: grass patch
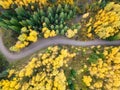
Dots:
{"x": 9, "y": 38}
{"x": 76, "y": 67}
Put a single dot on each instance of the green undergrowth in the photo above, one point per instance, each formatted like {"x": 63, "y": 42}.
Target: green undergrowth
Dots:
{"x": 4, "y": 65}
{"x": 74, "y": 72}
{"x": 8, "y": 38}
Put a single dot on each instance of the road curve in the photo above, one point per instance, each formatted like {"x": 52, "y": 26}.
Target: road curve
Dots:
{"x": 42, "y": 43}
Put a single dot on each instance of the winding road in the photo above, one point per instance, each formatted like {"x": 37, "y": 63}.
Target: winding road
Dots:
{"x": 58, "y": 40}
{"x": 42, "y": 43}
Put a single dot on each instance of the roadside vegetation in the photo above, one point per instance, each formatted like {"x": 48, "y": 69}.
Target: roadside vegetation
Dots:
{"x": 29, "y": 23}
{"x": 60, "y": 67}
{"x": 73, "y": 68}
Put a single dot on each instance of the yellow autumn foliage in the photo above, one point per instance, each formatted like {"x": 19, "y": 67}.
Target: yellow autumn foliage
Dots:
{"x": 105, "y": 72}
{"x": 24, "y": 39}
{"x": 107, "y": 21}
{"x": 87, "y": 80}
{"x": 48, "y": 33}
{"x": 71, "y": 33}
{"x": 7, "y": 3}
{"x": 43, "y": 72}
